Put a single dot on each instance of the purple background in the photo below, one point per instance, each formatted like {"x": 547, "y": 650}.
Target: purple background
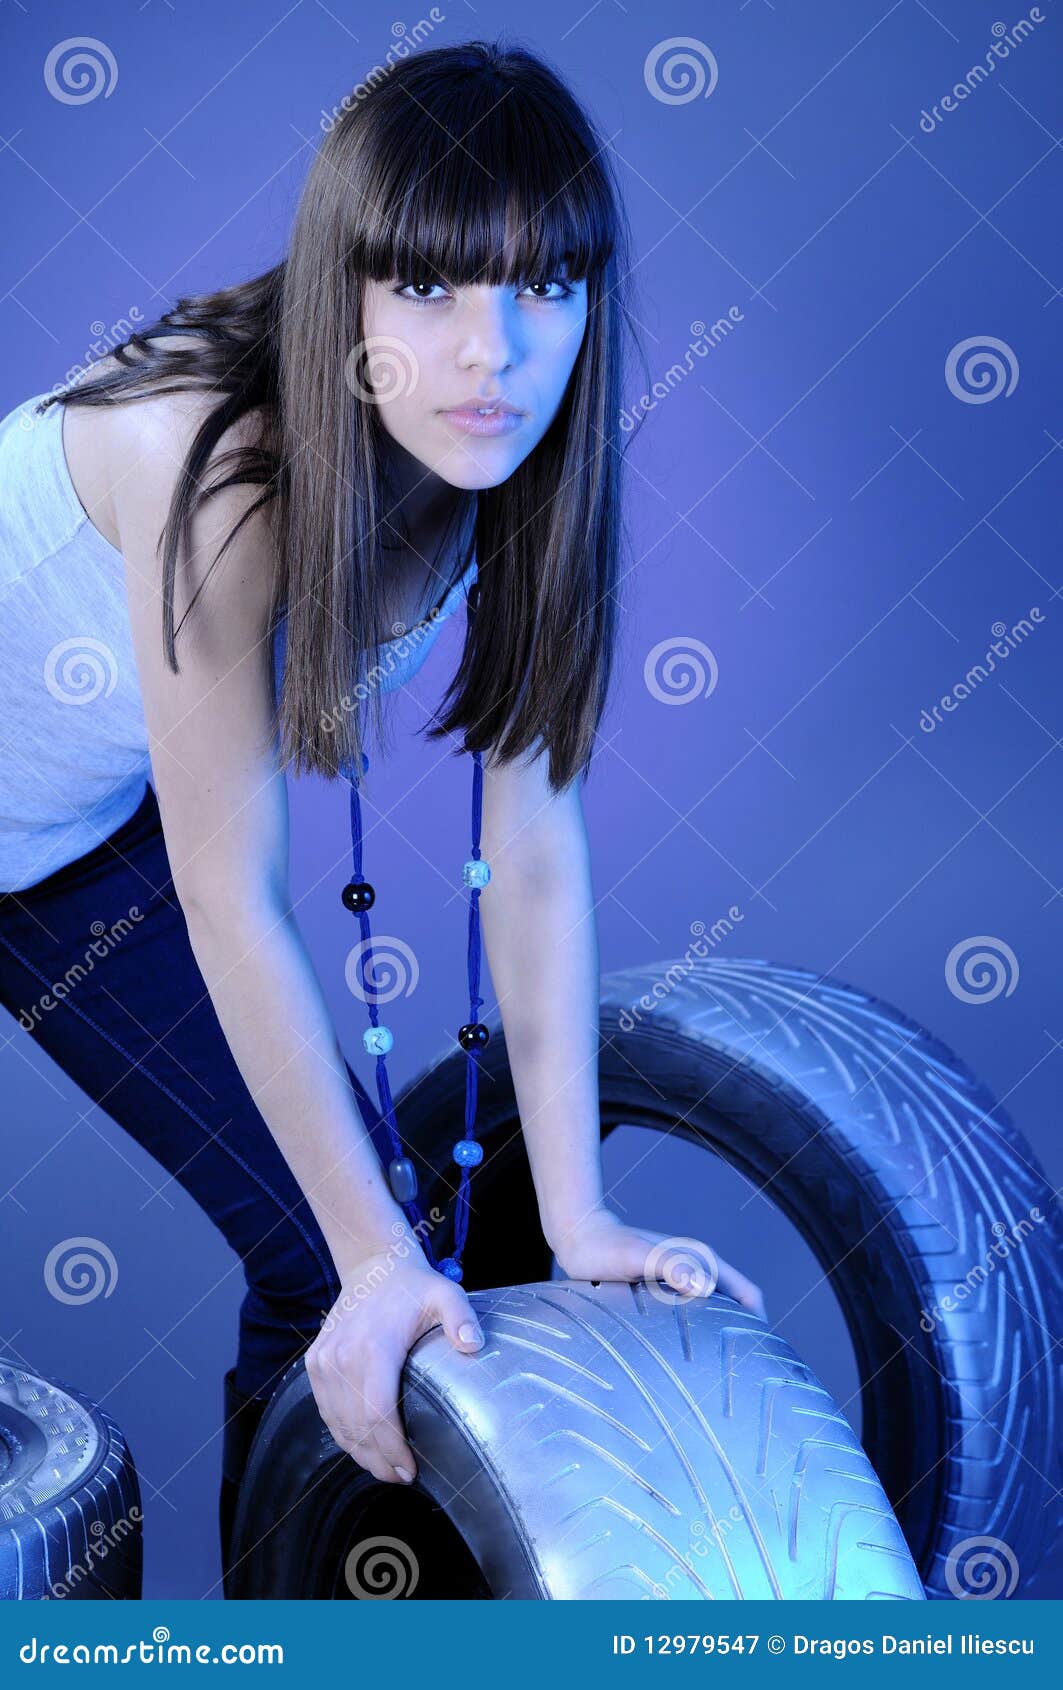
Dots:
{"x": 813, "y": 503}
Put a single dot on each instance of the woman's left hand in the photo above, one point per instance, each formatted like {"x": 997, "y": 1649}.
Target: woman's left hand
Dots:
{"x": 600, "y": 1246}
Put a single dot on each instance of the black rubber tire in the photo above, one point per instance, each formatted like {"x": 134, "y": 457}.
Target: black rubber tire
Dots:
{"x": 895, "y": 1164}
{"x": 70, "y": 1519}
{"x": 607, "y": 1443}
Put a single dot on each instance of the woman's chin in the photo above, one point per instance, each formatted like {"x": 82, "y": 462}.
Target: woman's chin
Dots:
{"x": 474, "y": 477}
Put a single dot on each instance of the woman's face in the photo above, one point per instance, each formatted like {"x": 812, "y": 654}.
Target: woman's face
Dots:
{"x": 437, "y": 354}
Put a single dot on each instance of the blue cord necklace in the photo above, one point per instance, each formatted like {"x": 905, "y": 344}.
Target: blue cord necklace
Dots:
{"x": 358, "y": 897}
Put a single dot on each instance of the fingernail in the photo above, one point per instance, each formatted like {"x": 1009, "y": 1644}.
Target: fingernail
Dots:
{"x": 470, "y": 1334}
{"x": 405, "y": 1475}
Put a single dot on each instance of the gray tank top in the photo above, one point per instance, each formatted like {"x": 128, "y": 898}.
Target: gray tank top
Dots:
{"x": 73, "y": 744}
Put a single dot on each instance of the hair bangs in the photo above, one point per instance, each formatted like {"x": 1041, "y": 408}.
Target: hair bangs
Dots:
{"x": 492, "y": 198}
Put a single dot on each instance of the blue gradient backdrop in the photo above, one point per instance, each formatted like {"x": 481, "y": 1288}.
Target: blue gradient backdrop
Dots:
{"x": 813, "y": 503}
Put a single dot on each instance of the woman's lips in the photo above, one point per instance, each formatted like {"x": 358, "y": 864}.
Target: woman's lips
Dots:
{"x": 470, "y": 421}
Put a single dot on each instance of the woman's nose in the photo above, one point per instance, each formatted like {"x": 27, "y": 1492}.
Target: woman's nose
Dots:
{"x": 490, "y": 338}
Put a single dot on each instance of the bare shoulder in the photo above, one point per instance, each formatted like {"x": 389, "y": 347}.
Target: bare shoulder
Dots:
{"x": 129, "y": 457}
{"x": 124, "y": 458}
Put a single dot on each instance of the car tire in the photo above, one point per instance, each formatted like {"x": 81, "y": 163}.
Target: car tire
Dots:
{"x": 608, "y": 1442}
{"x": 70, "y": 1520}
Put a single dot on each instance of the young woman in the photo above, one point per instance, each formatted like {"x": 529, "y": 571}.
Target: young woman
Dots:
{"x": 419, "y": 404}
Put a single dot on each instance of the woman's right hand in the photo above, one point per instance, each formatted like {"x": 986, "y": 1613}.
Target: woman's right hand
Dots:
{"x": 355, "y": 1363}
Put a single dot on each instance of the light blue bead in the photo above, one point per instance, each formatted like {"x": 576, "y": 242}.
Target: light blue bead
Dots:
{"x": 476, "y": 872}
{"x": 378, "y": 1040}
{"x": 467, "y": 1153}
{"x": 450, "y": 1267}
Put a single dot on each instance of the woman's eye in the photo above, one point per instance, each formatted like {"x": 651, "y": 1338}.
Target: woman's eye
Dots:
{"x": 417, "y": 298}
{"x": 553, "y": 282}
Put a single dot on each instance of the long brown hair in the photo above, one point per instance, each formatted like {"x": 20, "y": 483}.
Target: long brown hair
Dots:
{"x": 471, "y": 163}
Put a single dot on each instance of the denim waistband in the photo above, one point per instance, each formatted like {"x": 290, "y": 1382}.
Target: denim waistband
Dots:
{"x": 144, "y": 819}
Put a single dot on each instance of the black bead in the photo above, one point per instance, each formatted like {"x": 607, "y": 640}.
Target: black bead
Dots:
{"x": 473, "y": 1036}
{"x": 358, "y": 895}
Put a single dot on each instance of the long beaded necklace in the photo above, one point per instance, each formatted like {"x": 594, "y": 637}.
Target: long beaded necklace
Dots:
{"x": 359, "y": 896}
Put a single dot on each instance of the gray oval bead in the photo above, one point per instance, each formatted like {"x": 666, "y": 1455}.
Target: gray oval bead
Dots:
{"x": 402, "y": 1177}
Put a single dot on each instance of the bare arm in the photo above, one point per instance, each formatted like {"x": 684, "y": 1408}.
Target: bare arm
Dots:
{"x": 542, "y": 946}
{"x": 224, "y": 811}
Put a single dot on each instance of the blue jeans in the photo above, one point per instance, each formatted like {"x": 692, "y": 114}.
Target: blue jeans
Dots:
{"x": 139, "y": 1034}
